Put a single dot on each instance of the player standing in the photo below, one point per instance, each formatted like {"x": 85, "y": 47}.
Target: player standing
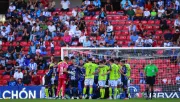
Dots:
{"x": 113, "y": 76}
{"x": 90, "y": 71}
{"x": 75, "y": 74}
{"x": 103, "y": 71}
{"x": 150, "y": 72}
{"x": 124, "y": 78}
{"x": 62, "y": 74}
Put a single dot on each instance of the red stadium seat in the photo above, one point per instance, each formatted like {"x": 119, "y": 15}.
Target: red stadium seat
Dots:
{"x": 47, "y": 43}
{"x": 124, "y": 17}
{"x": 157, "y": 22}
{"x": 56, "y": 38}
{"x": 168, "y": 21}
{"x": 122, "y": 38}
{"x": 18, "y": 38}
{"x": 117, "y": 17}
{"x": 136, "y": 22}
{"x": 125, "y": 33}
{"x": 116, "y": 37}
{"x": 57, "y": 48}
{"x": 87, "y": 18}
{"x": 114, "y": 22}
{"x": 128, "y": 22}
{"x": 57, "y": 53}
{"x": 6, "y": 77}
{"x": 118, "y": 28}
{"x": 109, "y": 18}
{"x": 148, "y": 27}
{"x": 23, "y": 43}
{"x": 1, "y": 76}
{"x": 159, "y": 32}
{"x": 113, "y": 13}
{"x": 126, "y": 28}
{"x": 156, "y": 27}
{"x": 121, "y": 22}
{"x": 48, "y": 48}
{"x": 40, "y": 72}
{"x": 26, "y": 48}
{"x": 118, "y": 33}
{"x": 4, "y": 82}
{"x": 144, "y": 22}
{"x": 5, "y": 48}
{"x": 151, "y": 22}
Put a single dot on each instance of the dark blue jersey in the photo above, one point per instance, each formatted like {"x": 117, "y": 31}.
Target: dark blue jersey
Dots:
{"x": 124, "y": 69}
{"x": 77, "y": 73}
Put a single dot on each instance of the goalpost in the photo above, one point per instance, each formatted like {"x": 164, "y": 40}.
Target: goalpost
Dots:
{"x": 167, "y": 59}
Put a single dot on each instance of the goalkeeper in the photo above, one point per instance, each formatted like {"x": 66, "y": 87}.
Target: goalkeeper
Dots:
{"x": 74, "y": 74}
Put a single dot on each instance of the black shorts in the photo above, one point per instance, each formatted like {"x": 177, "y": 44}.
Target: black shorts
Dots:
{"x": 150, "y": 80}
{"x": 73, "y": 83}
{"x": 124, "y": 84}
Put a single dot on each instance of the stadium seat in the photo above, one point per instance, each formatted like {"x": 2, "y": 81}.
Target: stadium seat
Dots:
{"x": 122, "y": 38}
{"x": 57, "y": 48}
{"x": 168, "y": 21}
{"x": 5, "y": 48}
{"x": 57, "y": 53}
{"x": 48, "y": 48}
{"x": 114, "y": 22}
{"x": 121, "y": 22}
{"x": 144, "y": 22}
{"x": 87, "y": 18}
{"x": 7, "y": 43}
{"x": 118, "y": 28}
{"x": 23, "y": 43}
{"x": 116, "y": 37}
{"x": 159, "y": 32}
{"x": 69, "y": 13}
{"x": 4, "y": 82}
{"x": 56, "y": 38}
{"x": 125, "y": 33}
{"x": 1, "y": 76}
{"x": 156, "y": 27}
{"x": 40, "y": 72}
{"x": 109, "y": 18}
{"x": 124, "y": 17}
{"x": 148, "y": 27}
{"x": 151, "y": 22}
{"x": 18, "y": 38}
{"x": 136, "y": 22}
{"x": 128, "y": 22}
{"x": 157, "y": 22}
{"x": 117, "y": 32}
{"x": 117, "y": 18}
{"x": 47, "y": 43}
{"x": 6, "y": 77}
{"x": 113, "y": 13}
{"x": 126, "y": 28}
{"x": 97, "y": 12}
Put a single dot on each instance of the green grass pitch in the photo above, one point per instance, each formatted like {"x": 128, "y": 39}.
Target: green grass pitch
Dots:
{"x": 131, "y": 100}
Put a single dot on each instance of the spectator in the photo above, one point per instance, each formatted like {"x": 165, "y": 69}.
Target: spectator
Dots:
{"x": 18, "y": 50}
{"x": 132, "y": 28}
{"x": 10, "y": 51}
{"x": 109, "y": 29}
{"x": 163, "y": 24}
{"x": 26, "y": 78}
{"x": 126, "y": 7}
{"x": 146, "y": 14}
{"x": 81, "y": 14}
{"x": 12, "y": 82}
{"x": 130, "y": 12}
{"x": 161, "y": 12}
{"x": 25, "y": 35}
{"x": 52, "y": 5}
{"x": 134, "y": 5}
{"x": 18, "y": 74}
{"x": 4, "y": 34}
{"x": 168, "y": 35}
{"x": 20, "y": 61}
{"x": 32, "y": 49}
{"x": 110, "y": 41}
{"x": 138, "y": 13}
{"x": 42, "y": 63}
{"x": 94, "y": 30}
{"x": 140, "y": 29}
{"x": 87, "y": 2}
{"x": 148, "y": 6}
{"x": 87, "y": 42}
{"x": 19, "y": 82}
{"x": 65, "y": 4}
{"x": 32, "y": 67}
{"x": 139, "y": 42}
{"x": 160, "y": 3}
{"x": 153, "y": 14}
{"x": 167, "y": 43}
{"x": 177, "y": 23}
{"x": 102, "y": 14}
{"x": 77, "y": 33}
{"x": 90, "y": 9}
{"x": 133, "y": 39}
{"x": 123, "y": 3}
{"x": 108, "y": 6}
{"x": 97, "y": 4}
{"x": 177, "y": 6}
{"x": 12, "y": 7}
{"x": 52, "y": 46}
{"x": 82, "y": 38}
{"x": 178, "y": 79}
{"x": 148, "y": 42}
{"x": 102, "y": 29}
{"x": 169, "y": 13}
{"x": 9, "y": 68}
{"x": 142, "y": 77}
{"x": 46, "y": 12}
{"x": 52, "y": 29}
{"x": 66, "y": 40}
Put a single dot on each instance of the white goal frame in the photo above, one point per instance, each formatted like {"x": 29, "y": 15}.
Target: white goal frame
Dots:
{"x": 113, "y": 48}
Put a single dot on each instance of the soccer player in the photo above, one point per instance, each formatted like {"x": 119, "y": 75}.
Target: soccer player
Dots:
{"x": 103, "y": 71}
{"x": 119, "y": 83}
{"x": 62, "y": 72}
{"x": 113, "y": 76}
{"x": 150, "y": 71}
{"x": 75, "y": 74}
{"x": 90, "y": 71}
{"x": 124, "y": 78}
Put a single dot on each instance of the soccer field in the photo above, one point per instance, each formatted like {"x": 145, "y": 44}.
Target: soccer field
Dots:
{"x": 131, "y": 100}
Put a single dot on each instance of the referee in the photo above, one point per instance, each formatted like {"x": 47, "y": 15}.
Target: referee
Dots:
{"x": 150, "y": 72}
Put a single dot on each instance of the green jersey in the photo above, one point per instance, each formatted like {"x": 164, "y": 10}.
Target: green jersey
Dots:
{"x": 90, "y": 69}
{"x": 128, "y": 70}
{"x": 119, "y": 74}
{"x": 103, "y": 70}
{"x": 114, "y": 74}
{"x": 151, "y": 70}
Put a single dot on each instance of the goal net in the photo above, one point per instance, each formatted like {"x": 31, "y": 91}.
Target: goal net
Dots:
{"x": 167, "y": 59}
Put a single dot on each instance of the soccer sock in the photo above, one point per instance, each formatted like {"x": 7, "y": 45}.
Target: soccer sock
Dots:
{"x": 115, "y": 91}
{"x": 118, "y": 90}
{"x": 63, "y": 90}
{"x": 46, "y": 92}
{"x": 101, "y": 93}
{"x": 90, "y": 90}
{"x": 53, "y": 91}
{"x": 125, "y": 91}
{"x": 110, "y": 92}
{"x": 84, "y": 90}
{"x": 152, "y": 92}
{"x": 147, "y": 92}
{"x": 71, "y": 92}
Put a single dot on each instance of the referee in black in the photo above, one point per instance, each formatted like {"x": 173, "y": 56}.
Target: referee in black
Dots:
{"x": 151, "y": 71}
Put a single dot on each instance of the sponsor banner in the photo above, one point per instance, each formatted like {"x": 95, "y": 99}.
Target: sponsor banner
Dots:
{"x": 27, "y": 92}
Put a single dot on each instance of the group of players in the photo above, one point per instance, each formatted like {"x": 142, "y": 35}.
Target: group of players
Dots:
{"x": 115, "y": 72}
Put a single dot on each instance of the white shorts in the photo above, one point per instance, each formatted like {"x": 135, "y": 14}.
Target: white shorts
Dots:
{"x": 88, "y": 82}
{"x": 119, "y": 81}
{"x": 113, "y": 83}
{"x": 102, "y": 83}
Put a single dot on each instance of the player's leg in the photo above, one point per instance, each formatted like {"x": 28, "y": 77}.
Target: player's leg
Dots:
{"x": 75, "y": 89}
{"x": 100, "y": 82}
{"x": 71, "y": 89}
{"x": 119, "y": 83}
{"x": 91, "y": 82}
{"x": 59, "y": 87}
{"x": 110, "y": 89}
{"x": 115, "y": 89}
{"x": 147, "y": 87}
{"x": 152, "y": 86}
{"x": 63, "y": 88}
{"x": 125, "y": 88}
{"x": 86, "y": 83}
